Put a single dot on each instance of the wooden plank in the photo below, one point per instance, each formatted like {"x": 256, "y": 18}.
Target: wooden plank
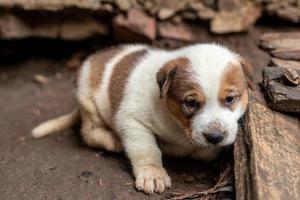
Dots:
{"x": 243, "y": 186}
{"x": 269, "y": 151}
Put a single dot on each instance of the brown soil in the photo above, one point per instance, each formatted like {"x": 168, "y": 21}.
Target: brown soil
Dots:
{"x": 59, "y": 166}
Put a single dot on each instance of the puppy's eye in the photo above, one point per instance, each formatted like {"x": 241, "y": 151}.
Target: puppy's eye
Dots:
{"x": 190, "y": 102}
{"x": 230, "y": 100}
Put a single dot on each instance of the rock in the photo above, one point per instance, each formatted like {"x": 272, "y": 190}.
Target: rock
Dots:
{"x": 136, "y": 27}
{"x": 189, "y": 15}
{"x": 165, "y": 13}
{"x": 180, "y": 31}
{"x": 86, "y": 174}
{"x": 238, "y": 19}
{"x": 281, "y": 40}
{"x": 291, "y": 76}
{"x": 287, "y": 10}
{"x": 285, "y": 63}
{"x": 39, "y": 78}
{"x": 68, "y": 27}
{"x": 51, "y": 5}
{"x": 203, "y": 12}
{"x": 287, "y": 53}
{"x": 206, "y": 14}
{"x": 124, "y": 5}
{"x": 281, "y": 95}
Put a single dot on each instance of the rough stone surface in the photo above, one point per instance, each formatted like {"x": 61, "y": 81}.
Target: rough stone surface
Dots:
{"x": 179, "y": 31}
{"x": 52, "y": 5}
{"x": 285, "y": 63}
{"x": 15, "y": 26}
{"x": 136, "y": 27}
{"x": 235, "y": 19}
{"x": 288, "y": 10}
{"x": 282, "y": 45}
{"x": 281, "y": 95}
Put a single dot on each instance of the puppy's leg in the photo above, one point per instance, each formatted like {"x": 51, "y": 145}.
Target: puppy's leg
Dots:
{"x": 145, "y": 156}
{"x": 94, "y": 131}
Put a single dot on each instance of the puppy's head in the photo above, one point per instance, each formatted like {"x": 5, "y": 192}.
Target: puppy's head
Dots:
{"x": 206, "y": 91}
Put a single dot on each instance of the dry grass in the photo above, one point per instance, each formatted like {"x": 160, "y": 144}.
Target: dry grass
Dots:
{"x": 223, "y": 185}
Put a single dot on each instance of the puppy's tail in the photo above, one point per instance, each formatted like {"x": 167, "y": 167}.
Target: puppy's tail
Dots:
{"x": 56, "y": 125}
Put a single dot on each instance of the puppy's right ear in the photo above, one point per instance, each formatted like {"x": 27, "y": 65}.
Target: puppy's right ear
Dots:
{"x": 164, "y": 78}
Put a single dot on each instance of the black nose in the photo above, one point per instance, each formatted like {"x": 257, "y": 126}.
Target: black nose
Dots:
{"x": 214, "y": 138}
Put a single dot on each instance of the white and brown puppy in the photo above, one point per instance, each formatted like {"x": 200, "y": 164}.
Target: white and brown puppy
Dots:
{"x": 149, "y": 101}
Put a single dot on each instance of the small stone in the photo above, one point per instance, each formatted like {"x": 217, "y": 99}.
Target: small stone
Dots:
{"x": 124, "y": 5}
{"x": 237, "y": 20}
{"x": 39, "y": 78}
{"x": 21, "y": 139}
{"x": 52, "y": 168}
{"x": 86, "y": 174}
{"x": 291, "y": 76}
{"x": 136, "y": 27}
{"x": 128, "y": 184}
{"x": 181, "y": 32}
{"x": 165, "y": 13}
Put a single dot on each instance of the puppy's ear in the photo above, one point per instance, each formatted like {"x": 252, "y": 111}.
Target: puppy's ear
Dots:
{"x": 248, "y": 70}
{"x": 164, "y": 78}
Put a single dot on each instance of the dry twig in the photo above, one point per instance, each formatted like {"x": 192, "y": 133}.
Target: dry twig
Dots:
{"x": 224, "y": 184}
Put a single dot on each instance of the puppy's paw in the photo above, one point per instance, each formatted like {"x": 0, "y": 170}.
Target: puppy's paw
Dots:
{"x": 152, "y": 179}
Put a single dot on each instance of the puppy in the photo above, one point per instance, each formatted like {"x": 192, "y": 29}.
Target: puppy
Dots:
{"x": 149, "y": 101}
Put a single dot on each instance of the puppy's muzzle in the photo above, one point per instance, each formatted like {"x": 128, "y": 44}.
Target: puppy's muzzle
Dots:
{"x": 214, "y": 138}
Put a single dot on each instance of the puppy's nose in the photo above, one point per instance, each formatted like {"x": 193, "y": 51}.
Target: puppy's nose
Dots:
{"x": 214, "y": 138}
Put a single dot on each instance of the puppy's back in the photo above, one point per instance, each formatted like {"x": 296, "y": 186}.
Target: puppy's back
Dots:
{"x": 103, "y": 77}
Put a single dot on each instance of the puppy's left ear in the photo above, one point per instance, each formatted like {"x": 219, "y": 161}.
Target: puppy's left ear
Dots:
{"x": 248, "y": 70}
{"x": 164, "y": 78}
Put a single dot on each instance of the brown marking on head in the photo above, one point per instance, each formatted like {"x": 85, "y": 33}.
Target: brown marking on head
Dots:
{"x": 97, "y": 65}
{"x": 248, "y": 70}
{"x": 234, "y": 85}
{"x": 119, "y": 77}
{"x": 175, "y": 81}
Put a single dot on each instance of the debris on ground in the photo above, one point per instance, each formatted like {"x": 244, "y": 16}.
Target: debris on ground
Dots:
{"x": 223, "y": 188}
{"x": 39, "y": 78}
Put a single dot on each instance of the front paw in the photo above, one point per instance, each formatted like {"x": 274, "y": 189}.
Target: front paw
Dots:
{"x": 152, "y": 179}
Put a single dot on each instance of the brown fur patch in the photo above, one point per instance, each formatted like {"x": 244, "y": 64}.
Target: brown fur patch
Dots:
{"x": 119, "y": 77}
{"x": 178, "y": 87}
{"x": 234, "y": 84}
{"x": 248, "y": 70}
{"x": 97, "y": 64}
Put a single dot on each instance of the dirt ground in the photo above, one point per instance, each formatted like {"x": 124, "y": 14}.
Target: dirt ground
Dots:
{"x": 60, "y": 167}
